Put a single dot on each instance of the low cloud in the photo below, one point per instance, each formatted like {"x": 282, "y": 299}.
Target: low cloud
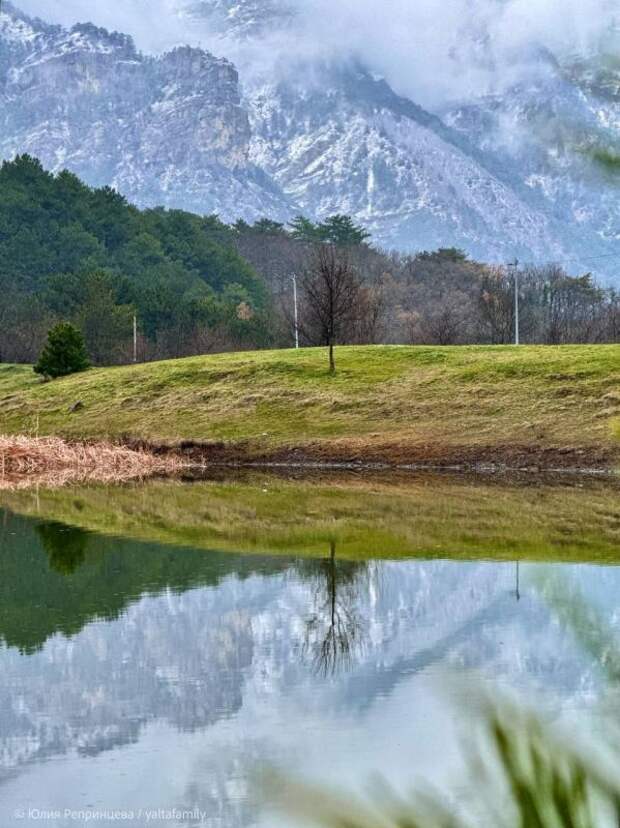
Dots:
{"x": 431, "y": 50}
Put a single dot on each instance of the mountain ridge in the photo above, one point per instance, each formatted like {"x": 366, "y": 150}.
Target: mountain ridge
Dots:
{"x": 182, "y": 129}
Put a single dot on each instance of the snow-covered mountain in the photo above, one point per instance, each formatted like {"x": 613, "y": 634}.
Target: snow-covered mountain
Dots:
{"x": 550, "y": 129}
{"x": 169, "y": 130}
{"x": 349, "y": 144}
{"x": 503, "y": 176}
{"x": 239, "y": 18}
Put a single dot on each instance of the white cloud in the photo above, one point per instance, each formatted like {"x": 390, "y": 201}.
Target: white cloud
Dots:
{"x": 432, "y": 50}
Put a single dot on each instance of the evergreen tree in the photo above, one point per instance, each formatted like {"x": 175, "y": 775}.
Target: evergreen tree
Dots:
{"x": 443, "y": 254}
{"x": 55, "y": 231}
{"x": 105, "y": 322}
{"x": 302, "y": 229}
{"x": 64, "y": 352}
{"x": 339, "y": 229}
{"x": 342, "y": 230}
{"x": 269, "y": 227}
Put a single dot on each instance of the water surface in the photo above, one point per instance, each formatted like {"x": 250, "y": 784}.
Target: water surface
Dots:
{"x": 160, "y": 643}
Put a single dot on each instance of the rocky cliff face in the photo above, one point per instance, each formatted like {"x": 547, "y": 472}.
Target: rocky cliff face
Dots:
{"x": 500, "y": 177}
{"x": 349, "y": 144}
{"x": 503, "y": 176}
{"x": 169, "y": 130}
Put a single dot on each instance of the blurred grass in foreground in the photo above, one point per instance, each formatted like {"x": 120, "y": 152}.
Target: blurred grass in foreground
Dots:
{"x": 522, "y": 776}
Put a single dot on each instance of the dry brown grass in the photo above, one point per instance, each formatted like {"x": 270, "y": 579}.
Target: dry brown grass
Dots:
{"x": 55, "y": 462}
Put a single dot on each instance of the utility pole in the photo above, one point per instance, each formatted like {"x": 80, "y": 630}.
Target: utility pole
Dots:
{"x": 135, "y": 338}
{"x": 294, "y": 278}
{"x": 514, "y": 266}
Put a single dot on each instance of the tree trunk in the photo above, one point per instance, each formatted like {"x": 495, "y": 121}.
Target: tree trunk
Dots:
{"x": 332, "y": 362}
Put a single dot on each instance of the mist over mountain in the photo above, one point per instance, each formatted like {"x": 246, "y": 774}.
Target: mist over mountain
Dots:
{"x": 478, "y": 47}
{"x": 478, "y": 133}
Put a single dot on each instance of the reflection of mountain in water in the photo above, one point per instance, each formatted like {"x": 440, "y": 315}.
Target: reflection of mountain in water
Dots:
{"x": 37, "y": 600}
{"x": 183, "y": 636}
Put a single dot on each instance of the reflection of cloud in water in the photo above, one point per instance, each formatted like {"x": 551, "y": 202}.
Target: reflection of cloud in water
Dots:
{"x": 210, "y": 681}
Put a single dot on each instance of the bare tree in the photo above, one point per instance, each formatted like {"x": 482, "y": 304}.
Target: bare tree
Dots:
{"x": 572, "y": 308}
{"x": 331, "y": 292}
{"x": 369, "y": 315}
{"x": 612, "y": 317}
{"x": 24, "y": 323}
{"x": 444, "y": 321}
{"x": 276, "y": 256}
{"x": 497, "y": 306}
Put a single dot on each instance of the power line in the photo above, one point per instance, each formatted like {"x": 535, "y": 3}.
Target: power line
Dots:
{"x": 584, "y": 259}
{"x": 583, "y": 263}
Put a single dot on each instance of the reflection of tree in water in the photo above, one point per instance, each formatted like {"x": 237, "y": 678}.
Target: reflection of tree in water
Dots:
{"x": 335, "y": 628}
{"x": 65, "y": 546}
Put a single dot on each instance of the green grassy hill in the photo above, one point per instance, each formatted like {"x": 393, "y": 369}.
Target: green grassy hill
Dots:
{"x": 396, "y": 403}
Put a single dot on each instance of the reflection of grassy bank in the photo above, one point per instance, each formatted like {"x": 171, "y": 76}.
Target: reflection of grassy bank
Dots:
{"x": 426, "y": 516}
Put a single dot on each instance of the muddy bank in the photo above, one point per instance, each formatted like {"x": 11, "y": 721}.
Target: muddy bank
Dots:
{"x": 360, "y": 453}
{"x": 53, "y": 462}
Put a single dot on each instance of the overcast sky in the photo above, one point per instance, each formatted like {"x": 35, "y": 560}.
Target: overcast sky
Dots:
{"x": 431, "y": 50}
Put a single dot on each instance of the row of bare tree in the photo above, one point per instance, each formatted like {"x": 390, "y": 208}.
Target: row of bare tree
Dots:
{"x": 353, "y": 293}
{"x": 357, "y": 294}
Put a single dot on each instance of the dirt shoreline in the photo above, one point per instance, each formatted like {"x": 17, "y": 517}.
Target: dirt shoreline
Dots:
{"x": 53, "y": 462}
{"x": 390, "y": 455}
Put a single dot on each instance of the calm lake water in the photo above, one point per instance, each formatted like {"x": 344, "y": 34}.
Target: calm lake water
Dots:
{"x": 140, "y": 672}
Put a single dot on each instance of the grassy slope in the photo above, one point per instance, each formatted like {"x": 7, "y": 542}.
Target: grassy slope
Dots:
{"x": 462, "y": 396}
{"x": 429, "y": 516}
